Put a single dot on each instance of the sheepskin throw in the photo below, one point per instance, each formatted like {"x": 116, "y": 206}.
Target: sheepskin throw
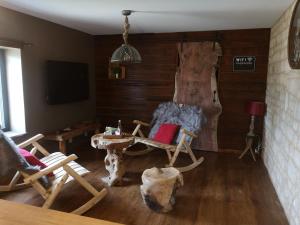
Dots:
{"x": 195, "y": 84}
{"x": 11, "y": 159}
{"x": 189, "y": 117}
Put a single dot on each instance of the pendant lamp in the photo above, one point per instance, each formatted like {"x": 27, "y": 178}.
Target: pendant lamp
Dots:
{"x": 126, "y": 53}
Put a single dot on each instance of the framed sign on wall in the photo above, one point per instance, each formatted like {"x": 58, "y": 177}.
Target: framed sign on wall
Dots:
{"x": 116, "y": 71}
{"x": 294, "y": 38}
{"x": 244, "y": 63}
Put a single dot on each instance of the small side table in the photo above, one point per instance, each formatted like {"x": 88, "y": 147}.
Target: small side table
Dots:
{"x": 114, "y": 158}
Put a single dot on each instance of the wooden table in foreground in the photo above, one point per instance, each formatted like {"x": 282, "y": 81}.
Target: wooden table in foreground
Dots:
{"x": 113, "y": 160}
{"x": 76, "y": 130}
{"x": 12, "y": 213}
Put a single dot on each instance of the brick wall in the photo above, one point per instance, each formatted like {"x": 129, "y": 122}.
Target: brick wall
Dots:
{"x": 282, "y": 122}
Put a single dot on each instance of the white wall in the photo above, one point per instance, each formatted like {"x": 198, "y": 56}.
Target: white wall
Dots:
{"x": 282, "y": 122}
{"x": 50, "y": 42}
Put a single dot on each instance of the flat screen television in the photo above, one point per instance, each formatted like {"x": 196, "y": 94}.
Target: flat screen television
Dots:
{"x": 66, "y": 82}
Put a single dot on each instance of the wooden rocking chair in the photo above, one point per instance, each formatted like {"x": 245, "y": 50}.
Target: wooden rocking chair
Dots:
{"x": 64, "y": 169}
{"x": 183, "y": 146}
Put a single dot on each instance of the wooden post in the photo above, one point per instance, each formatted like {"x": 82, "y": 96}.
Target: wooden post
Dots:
{"x": 62, "y": 147}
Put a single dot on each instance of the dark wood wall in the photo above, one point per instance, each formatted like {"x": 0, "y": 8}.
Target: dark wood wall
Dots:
{"x": 152, "y": 82}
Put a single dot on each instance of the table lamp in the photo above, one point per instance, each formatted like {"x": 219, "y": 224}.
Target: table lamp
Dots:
{"x": 254, "y": 109}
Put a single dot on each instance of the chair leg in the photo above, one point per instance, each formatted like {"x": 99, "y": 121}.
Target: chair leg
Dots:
{"x": 98, "y": 195}
{"x": 13, "y": 186}
{"x": 81, "y": 180}
{"x": 169, "y": 154}
{"x": 191, "y": 166}
{"x": 190, "y": 151}
{"x": 55, "y": 191}
{"x": 178, "y": 148}
{"x": 15, "y": 180}
{"x": 37, "y": 186}
{"x": 141, "y": 133}
{"x": 82, "y": 209}
{"x": 136, "y": 130}
{"x": 175, "y": 155}
{"x": 196, "y": 162}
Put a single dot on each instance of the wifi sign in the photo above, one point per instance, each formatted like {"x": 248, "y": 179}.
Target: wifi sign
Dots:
{"x": 244, "y": 63}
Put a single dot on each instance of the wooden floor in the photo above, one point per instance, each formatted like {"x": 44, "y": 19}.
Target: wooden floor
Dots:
{"x": 222, "y": 191}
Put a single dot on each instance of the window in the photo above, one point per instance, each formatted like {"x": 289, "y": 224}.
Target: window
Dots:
{"x": 4, "y": 108}
{"x": 12, "y": 114}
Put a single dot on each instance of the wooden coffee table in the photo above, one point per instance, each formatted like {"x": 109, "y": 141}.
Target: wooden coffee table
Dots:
{"x": 79, "y": 129}
{"x": 114, "y": 158}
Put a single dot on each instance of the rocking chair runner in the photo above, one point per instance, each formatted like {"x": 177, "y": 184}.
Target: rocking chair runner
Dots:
{"x": 186, "y": 116}
{"x": 64, "y": 169}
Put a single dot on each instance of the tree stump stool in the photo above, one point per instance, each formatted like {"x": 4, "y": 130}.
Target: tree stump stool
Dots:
{"x": 159, "y": 188}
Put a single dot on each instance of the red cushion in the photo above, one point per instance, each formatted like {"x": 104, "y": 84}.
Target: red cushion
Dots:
{"x": 32, "y": 160}
{"x": 166, "y": 133}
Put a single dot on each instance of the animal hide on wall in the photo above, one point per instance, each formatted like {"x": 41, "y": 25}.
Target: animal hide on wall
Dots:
{"x": 195, "y": 84}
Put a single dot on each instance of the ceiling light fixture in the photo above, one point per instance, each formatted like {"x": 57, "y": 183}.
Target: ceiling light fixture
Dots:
{"x": 126, "y": 53}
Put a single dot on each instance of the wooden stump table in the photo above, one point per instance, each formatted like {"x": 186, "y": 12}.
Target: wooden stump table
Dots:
{"x": 114, "y": 158}
{"x": 159, "y": 188}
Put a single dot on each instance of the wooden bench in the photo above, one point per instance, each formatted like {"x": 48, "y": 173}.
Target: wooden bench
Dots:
{"x": 67, "y": 135}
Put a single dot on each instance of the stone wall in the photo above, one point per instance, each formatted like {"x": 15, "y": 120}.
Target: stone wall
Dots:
{"x": 282, "y": 122}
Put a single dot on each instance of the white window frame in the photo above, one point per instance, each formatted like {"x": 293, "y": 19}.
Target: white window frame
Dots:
{"x": 4, "y": 103}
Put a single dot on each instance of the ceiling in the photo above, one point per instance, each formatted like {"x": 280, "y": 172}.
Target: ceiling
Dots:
{"x": 104, "y": 16}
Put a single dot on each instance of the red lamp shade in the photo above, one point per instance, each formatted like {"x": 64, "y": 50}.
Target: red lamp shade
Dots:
{"x": 256, "y": 108}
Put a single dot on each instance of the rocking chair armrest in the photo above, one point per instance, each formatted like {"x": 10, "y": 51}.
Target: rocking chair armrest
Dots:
{"x": 141, "y": 123}
{"x": 30, "y": 141}
{"x": 50, "y": 169}
{"x": 189, "y": 133}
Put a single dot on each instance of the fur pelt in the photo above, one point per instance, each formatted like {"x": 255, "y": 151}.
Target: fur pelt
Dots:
{"x": 188, "y": 117}
{"x": 11, "y": 159}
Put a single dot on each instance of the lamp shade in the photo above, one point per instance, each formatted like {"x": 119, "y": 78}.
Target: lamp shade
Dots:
{"x": 256, "y": 108}
{"x": 126, "y": 54}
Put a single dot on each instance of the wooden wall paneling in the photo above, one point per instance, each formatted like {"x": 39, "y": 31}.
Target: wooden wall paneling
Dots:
{"x": 236, "y": 88}
{"x": 152, "y": 82}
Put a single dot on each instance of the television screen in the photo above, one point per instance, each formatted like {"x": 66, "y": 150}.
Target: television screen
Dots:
{"x": 66, "y": 82}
